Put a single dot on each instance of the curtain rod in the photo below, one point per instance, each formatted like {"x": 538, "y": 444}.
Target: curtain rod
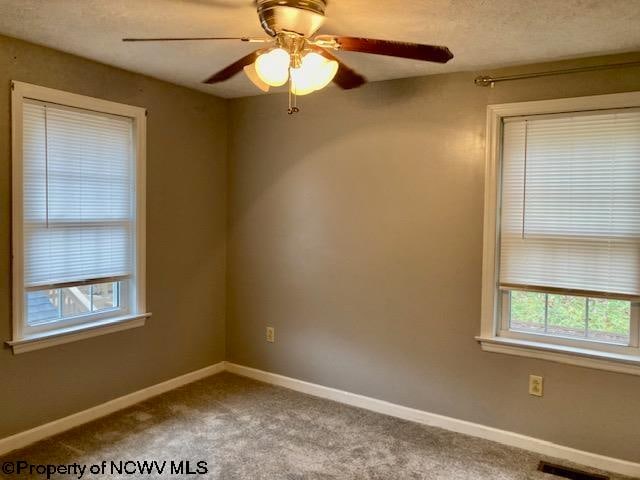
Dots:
{"x": 486, "y": 80}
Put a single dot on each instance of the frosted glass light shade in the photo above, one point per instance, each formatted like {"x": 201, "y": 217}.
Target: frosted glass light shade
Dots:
{"x": 323, "y": 69}
{"x": 315, "y": 73}
{"x": 250, "y": 72}
{"x": 302, "y": 81}
{"x": 273, "y": 67}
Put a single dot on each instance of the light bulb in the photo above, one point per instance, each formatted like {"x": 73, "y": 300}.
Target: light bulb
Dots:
{"x": 273, "y": 67}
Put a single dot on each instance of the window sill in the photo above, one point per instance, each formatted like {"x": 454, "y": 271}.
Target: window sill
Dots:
{"x": 582, "y": 357}
{"x": 77, "y": 332}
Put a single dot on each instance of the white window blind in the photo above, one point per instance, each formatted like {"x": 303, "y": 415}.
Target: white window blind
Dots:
{"x": 78, "y": 177}
{"x": 570, "y": 212}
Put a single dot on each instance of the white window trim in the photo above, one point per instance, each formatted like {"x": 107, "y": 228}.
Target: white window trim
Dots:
{"x": 20, "y": 341}
{"x": 625, "y": 361}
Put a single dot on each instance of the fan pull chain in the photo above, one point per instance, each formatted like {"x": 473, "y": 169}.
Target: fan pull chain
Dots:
{"x": 293, "y": 106}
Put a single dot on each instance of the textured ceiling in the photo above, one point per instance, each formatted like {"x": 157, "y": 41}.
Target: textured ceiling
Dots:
{"x": 481, "y": 33}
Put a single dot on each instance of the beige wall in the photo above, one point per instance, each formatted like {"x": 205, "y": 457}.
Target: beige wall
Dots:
{"x": 186, "y": 201}
{"x": 356, "y": 230}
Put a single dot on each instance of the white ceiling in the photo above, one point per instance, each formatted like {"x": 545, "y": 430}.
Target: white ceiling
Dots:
{"x": 480, "y": 33}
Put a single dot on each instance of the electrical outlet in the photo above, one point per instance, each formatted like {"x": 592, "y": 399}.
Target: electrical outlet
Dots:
{"x": 536, "y": 387}
{"x": 271, "y": 334}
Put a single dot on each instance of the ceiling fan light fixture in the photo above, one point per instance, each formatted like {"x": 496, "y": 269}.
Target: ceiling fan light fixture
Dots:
{"x": 295, "y": 54}
{"x": 273, "y": 67}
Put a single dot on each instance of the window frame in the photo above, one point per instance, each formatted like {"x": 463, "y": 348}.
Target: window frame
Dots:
{"x": 493, "y": 337}
{"x": 26, "y": 338}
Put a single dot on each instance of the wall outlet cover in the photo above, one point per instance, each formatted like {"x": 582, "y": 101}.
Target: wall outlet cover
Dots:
{"x": 536, "y": 387}
{"x": 271, "y": 334}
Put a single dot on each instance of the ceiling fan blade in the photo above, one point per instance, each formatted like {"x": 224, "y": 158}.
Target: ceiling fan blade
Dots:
{"x": 415, "y": 51}
{"x": 346, "y": 78}
{"x": 233, "y": 69}
{"x": 186, "y": 39}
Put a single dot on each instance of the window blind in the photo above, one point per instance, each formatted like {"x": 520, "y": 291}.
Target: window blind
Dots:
{"x": 570, "y": 212}
{"x": 78, "y": 171}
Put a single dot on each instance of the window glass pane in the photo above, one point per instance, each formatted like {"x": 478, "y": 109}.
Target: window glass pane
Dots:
{"x": 43, "y": 306}
{"x": 76, "y": 300}
{"x": 609, "y": 320}
{"x": 104, "y": 296}
{"x": 46, "y": 306}
{"x": 566, "y": 316}
{"x": 527, "y": 311}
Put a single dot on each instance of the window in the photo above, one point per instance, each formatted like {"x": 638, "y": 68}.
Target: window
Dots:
{"x": 562, "y": 239}
{"x": 78, "y": 216}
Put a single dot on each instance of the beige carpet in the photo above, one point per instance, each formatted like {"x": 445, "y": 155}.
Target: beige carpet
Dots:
{"x": 242, "y": 429}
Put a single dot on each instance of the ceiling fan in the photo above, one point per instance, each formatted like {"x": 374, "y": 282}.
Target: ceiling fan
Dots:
{"x": 291, "y": 54}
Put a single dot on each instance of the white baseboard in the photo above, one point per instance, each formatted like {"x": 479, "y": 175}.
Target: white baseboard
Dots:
{"x": 536, "y": 445}
{"x": 41, "y": 432}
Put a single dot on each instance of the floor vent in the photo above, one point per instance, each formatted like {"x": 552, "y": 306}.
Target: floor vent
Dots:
{"x": 570, "y": 473}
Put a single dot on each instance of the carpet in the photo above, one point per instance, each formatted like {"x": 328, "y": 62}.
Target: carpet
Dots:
{"x": 229, "y": 427}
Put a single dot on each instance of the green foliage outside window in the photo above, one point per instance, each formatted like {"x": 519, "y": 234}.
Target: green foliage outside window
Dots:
{"x": 608, "y": 320}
